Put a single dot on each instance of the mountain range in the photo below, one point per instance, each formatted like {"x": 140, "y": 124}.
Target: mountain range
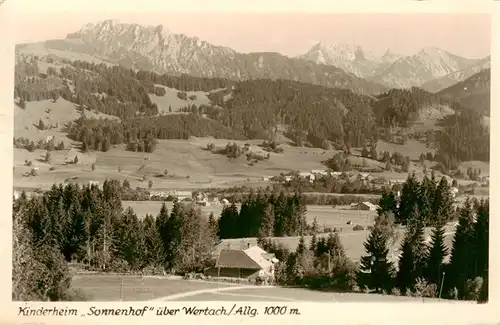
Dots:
{"x": 344, "y": 66}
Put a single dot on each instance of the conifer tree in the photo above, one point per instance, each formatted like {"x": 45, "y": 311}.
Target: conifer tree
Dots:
{"x": 412, "y": 260}
{"x": 129, "y": 239}
{"x": 213, "y": 226}
{"x": 480, "y": 240}
{"x": 301, "y": 247}
{"x": 409, "y": 197}
{"x": 387, "y": 202}
{"x": 228, "y": 222}
{"x": 426, "y": 195}
{"x": 280, "y": 214}
{"x": 172, "y": 235}
{"x": 460, "y": 268}
{"x": 267, "y": 223}
{"x": 335, "y": 247}
{"x": 436, "y": 254}
{"x": 442, "y": 205}
{"x": 154, "y": 253}
{"x": 405, "y": 277}
{"x": 314, "y": 239}
{"x": 375, "y": 270}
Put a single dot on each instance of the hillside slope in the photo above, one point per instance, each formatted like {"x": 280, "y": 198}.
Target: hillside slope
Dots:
{"x": 473, "y": 92}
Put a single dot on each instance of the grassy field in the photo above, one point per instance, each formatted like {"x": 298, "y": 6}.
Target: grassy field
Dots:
{"x": 59, "y": 112}
{"x": 188, "y": 165}
{"x": 296, "y": 294}
{"x": 170, "y": 100}
{"x": 111, "y": 288}
{"x": 134, "y": 288}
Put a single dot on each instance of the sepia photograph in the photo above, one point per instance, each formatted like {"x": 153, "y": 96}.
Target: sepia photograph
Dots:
{"x": 286, "y": 157}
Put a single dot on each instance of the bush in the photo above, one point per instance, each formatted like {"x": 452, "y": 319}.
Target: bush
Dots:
{"x": 473, "y": 288}
{"x": 424, "y": 289}
{"x": 358, "y": 228}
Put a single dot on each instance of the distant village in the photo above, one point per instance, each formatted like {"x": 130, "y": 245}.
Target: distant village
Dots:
{"x": 205, "y": 199}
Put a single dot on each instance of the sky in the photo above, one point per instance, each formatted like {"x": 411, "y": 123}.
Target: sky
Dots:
{"x": 467, "y": 35}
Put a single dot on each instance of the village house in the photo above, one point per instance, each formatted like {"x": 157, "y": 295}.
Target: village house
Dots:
{"x": 305, "y": 175}
{"x": 225, "y": 201}
{"x": 266, "y": 178}
{"x": 321, "y": 172}
{"x": 336, "y": 174}
{"x": 248, "y": 263}
{"x": 183, "y": 195}
{"x": 288, "y": 178}
{"x": 158, "y": 194}
{"x": 365, "y": 177}
{"x": 367, "y": 206}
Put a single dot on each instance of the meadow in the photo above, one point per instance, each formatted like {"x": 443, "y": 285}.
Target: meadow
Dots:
{"x": 101, "y": 287}
{"x": 187, "y": 163}
{"x": 135, "y": 288}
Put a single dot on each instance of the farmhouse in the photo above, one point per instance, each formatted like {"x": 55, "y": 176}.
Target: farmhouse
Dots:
{"x": 158, "y": 194}
{"x": 319, "y": 172}
{"x": 288, "y": 178}
{"x": 203, "y": 203}
{"x": 336, "y": 174}
{"x": 308, "y": 176}
{"x": 92, "y": 183}
{"x": 182, "y": 195}
{"x": 367, "y": 206}
{"x": 365, "y": 177}
{"x": 245, "y": 263}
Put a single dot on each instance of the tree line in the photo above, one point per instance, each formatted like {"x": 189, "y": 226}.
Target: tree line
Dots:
{"x": 422, "y": 267}
{"x": 141, "y": 135}
{"x": 264, "y": 215}
{"x": 88, "y": 225}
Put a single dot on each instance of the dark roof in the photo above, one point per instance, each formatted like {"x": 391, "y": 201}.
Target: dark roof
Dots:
{"x": 236, "y": 259}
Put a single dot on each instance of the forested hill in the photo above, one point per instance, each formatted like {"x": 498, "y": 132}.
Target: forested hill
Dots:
{"x": 473, "y": 92}
{"x": 307, "y": 113}
{"x": 403, "y": 107}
